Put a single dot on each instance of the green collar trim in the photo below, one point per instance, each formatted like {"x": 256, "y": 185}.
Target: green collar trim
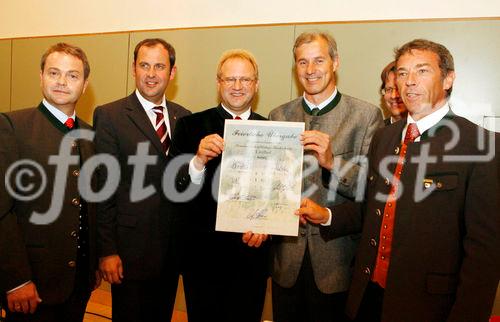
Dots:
{"x": 325, "y": 109}
{"x": 52, "y": 119}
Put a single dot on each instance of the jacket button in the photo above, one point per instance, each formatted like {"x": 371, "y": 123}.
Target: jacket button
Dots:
{"x": 74, "y": 233}
{"x": 371, "y": 178}
{"x": 76, "y": 173}
{"x": 387, "y": 182}
{"x": 74, "y": 144}
{"x": 72, "y": 264}
{"x": 373, "y": 242}
{"x": 75, "y": 202}
{"x": 396, "y": 150}
{"x": 378, "y": 212}
{"x": 303, "y": 233}
{"x": 366, "y": 271}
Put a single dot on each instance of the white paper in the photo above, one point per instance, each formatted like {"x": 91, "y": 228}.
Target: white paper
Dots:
{"x": 261, "y": 177}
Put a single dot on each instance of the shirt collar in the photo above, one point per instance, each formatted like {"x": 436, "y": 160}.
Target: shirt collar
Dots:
{"x": 147, "y": 105}
{"x": 244, "y": 116}
{"x": 430, "y": 120}
{"x": 322, "y": 104}
{"x": 58, "y": 114}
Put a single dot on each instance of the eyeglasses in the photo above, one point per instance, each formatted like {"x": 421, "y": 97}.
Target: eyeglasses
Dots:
{"x": 231, "y": 81}
{"x": 389, "y": 90}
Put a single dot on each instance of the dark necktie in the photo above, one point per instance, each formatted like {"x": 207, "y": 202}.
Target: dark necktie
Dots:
{"x": 315, "y": 111}
{"x": 387, "y": 227}
{"x": 70, "y": 123}
{"x": 161, "y": 128}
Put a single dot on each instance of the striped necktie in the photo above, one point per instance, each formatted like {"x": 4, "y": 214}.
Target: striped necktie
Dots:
{"x": 161, "y": 128}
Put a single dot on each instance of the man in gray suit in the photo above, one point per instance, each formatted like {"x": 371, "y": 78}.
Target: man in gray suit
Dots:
{"x": 310, "y": 275}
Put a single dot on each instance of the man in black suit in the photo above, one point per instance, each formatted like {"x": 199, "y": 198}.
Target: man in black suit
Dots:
{"x": 430, "y": 240}
{"x": 134, "y": 224}
{"x": 224, "y": 279}
{"x": 47, "y": 241}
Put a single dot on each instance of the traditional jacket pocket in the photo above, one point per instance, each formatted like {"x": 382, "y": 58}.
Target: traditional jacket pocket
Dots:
{"x": 441, "y": 182}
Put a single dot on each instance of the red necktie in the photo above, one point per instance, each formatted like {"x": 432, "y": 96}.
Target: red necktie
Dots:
{"x": 161, "y": 128}
{"x": 387, "y": 227}
{"x": 70, "y": 123}
{"x": 237, "y": 117}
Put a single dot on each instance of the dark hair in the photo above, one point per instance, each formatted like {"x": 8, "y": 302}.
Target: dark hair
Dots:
{"x": 390, "y": 68}
{"x": 151, "y": 42}
{"x": 70, "y": 50}
{"x": 446, "y": 63}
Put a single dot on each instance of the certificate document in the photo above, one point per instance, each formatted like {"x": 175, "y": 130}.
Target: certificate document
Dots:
{"x": 260, "y": 177}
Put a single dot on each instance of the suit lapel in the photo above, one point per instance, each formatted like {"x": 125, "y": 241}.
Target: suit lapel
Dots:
{"x": 222, "y": 116}
{"x": 253, "y": 116}
{"x": 172, "y": 116}
{"x": 138, "y": 116}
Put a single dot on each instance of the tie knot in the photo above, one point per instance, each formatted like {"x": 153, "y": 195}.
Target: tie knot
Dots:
{"x": 70, "y": 123}
{"x": 237, "y": 117}
{"x": 158, "y": 109}
{"x": 411, "y": 133}
{"x": 315, "y": 111}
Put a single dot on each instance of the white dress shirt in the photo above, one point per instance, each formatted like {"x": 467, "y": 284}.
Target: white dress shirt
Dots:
{"x": 148, "y": 108}
{"x": 322, "y": 104}
{"x": 58, "y": 114}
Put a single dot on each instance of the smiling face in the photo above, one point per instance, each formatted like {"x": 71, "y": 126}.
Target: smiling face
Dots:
{"x": 237, "y": 84}
{"x": 316, "y": 70}
{"x": 392, "y": 99}
{"x": 421, "y": 83}
{"x": 152, "y": 72}
{"x": 62, "y": 81}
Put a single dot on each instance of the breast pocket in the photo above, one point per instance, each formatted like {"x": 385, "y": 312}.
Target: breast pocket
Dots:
{"x": 440, "y": 181}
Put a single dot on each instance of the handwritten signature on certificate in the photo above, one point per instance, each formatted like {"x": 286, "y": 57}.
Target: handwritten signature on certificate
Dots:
{"x": 260, "y": 177}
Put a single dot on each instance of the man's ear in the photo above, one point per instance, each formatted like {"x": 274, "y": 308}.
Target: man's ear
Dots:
{"x": 133, "y": 69}
{"x": 336, "y": 63}
{"x": 85, "y": 84}
{"x": 172, "y": 72}
{"x": 448, "y": 80}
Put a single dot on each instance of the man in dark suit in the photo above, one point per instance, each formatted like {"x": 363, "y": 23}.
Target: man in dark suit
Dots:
{"x": 311, "y": 275}
{"x": 224, "y": 279}
{"x": 47, "y": 239}
{"x": 390, "y": 95}
{"x": 430, "y": 240}
{"x": 134, "y": 224}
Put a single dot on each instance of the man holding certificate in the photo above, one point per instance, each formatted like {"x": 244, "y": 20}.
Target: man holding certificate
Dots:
{"x": 224, "y": 274}
{"x": 310, "y": 275}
